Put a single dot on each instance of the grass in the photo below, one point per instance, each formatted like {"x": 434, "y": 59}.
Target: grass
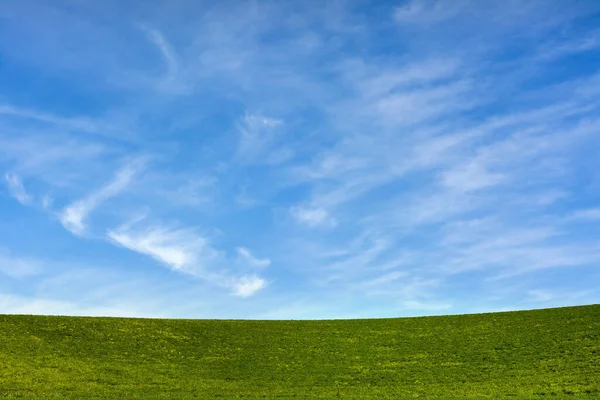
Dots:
{"x": 541, "y": 354}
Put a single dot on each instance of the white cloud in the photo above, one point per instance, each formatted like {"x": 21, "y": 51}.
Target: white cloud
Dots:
{"x": 57, "y": 159}
{"x": 555, "y": 50}
{"x": 469, "y": 177}
{"x": 179, "y": 249}
{"x": 494, "y": 17}
{"x": 355, "y": 265}
{"x": 74, "y": 215}
{"x": 419, "y": 11}
{"x": 16, "y": 188}
{"x": 258, "y": 140}
{"x": 312, "y": 216}
{"x": 185, "y": 251}
{"x": 247, "y": 286}
{"x": 253, "y": 261}
{"x": 411, "y": 106}
{"x": 172, "y": 65}
{"x": 507, "y": 250}
{"x": 375, "y": 81}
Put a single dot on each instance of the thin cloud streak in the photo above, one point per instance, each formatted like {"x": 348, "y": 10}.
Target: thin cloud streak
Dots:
{"x": 253, "y": 261}
{"x": 312, "y": 216}
{"x": 74, "y": 215}
{"x": 16, "y": 188}
{"x": 166, "y": 51}
{"x": 80, "y": 124}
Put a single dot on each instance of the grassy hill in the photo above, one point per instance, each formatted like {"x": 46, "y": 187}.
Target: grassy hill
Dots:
{"x": 542, "y": 354}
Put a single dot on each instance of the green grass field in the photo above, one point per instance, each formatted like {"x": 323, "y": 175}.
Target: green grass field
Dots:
{"x": 542, "y": 354}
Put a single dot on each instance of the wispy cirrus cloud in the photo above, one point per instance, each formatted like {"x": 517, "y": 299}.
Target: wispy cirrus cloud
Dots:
{"x": 51, "y": 157}
{"x": 73, "y": 216}
{"x": 260, "y": 141}
{"x": 168, "y": 55}
{"x": 430, "y": 11}
{"x": 79, "y": 124}
{"x": 247, "y": 256}
{"x": 184, "y": 250}
{"x": 179, "y": 249}
{"x": 16, "y": 188}
{"x": 312, "y": 216}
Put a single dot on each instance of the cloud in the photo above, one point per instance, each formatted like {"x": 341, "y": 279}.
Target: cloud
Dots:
{"x": 185, "y": 251}
{"x": 505, "y": 250}
{"x": 247, "y": 286}
{"x": 247, "y": 256}
{"x": 79, "y": 124}
{"x": 16, "y": 188}
{"x": 556, "y": 50}
{"x": 411, "y": 106}
{"x": 386, "y": 279}
{"x": 74, "y": 215}
{"x": 168, "y": 54}
{"x": 420, "y": 11}
{"x": 312, "y": 217}
{"x": 179, "y": 249}
{"x": 376, "y": 80}
{"x": 259, "y": 140}
{"x": 355, "y": 263}
{"x": 470, "y": 176}
{"x": 53, "y": 158}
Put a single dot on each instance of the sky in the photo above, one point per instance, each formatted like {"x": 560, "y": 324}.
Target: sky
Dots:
{"x": 298, "y": 159}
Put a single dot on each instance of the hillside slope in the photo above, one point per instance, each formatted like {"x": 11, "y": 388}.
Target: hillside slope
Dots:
{"x": 552, "y": 353}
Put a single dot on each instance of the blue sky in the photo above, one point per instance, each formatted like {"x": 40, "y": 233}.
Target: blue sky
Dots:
{"x": 298, "y": 159}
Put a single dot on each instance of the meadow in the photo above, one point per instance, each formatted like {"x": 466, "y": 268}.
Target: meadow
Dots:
{"x": 541, "y": 354}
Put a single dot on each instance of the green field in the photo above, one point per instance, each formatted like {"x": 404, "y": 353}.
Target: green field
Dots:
{"x": 552, "y": 353}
